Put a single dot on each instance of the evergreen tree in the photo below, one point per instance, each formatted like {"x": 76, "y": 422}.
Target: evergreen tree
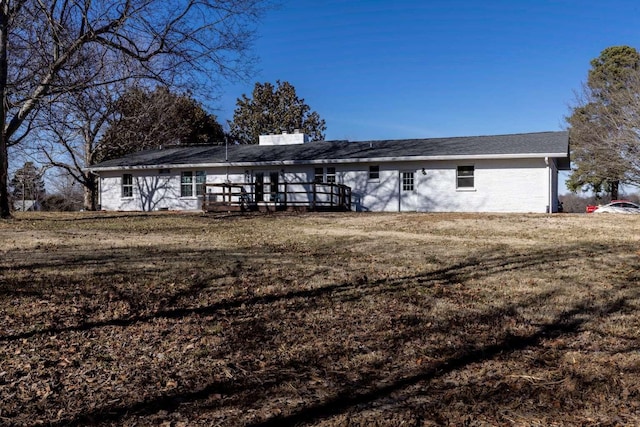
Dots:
{"x": 147, "y": 119}
{"x": 27, "y": 184}
{"x": 604, "y": 123}
{"x": 273, "y": 110}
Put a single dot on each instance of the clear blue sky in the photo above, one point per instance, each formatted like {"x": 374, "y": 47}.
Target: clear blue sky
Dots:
{"x": 413, "y": 69}
{"x": 393, "y": 69}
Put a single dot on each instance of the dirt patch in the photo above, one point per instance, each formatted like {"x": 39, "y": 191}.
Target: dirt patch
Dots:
{"x": 319, "y": 319}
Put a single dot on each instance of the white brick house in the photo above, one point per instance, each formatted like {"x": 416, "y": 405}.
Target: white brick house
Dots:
{"x": 501, "y": 173}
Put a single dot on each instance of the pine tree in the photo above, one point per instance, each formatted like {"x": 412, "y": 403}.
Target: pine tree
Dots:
{"x": 273, "y": 110}
{"x": 27, "y": 184}
{"x": 604, "y": 124}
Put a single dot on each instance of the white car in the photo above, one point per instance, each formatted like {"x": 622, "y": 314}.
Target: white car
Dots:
{"x": 619, "y": 206}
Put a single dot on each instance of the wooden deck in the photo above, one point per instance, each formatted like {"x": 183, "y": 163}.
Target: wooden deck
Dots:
{"x": 298, "y": 196}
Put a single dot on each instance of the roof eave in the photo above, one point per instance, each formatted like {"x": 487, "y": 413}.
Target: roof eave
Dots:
{"x": 331, "y": 161}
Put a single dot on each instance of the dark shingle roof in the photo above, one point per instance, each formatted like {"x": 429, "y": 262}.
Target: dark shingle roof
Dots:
{"x": 547, "y": 144}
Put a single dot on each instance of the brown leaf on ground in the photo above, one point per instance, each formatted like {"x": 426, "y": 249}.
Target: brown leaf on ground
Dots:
{"x": 319, "y": 319}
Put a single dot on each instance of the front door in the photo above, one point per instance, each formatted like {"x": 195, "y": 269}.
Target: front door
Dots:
{"x": 407, "y": 189}
{"x": 274, "y": 178}
{"x": 259, "y": 186}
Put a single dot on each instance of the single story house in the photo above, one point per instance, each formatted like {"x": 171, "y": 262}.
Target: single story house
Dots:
{"x": 500, "y": 173}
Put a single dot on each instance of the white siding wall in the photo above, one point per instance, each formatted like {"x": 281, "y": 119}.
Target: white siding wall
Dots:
{"x": 151, "y": 191}
{"x": 500, "y": 186}
{"x": 377, "y": 195}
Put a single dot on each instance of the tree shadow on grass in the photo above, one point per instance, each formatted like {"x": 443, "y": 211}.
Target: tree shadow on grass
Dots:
{"x": 476, "y": 266}
{"x": 367, "y": 389}
{"x": 361, "y": 393}
{"x": 566, "y": 324}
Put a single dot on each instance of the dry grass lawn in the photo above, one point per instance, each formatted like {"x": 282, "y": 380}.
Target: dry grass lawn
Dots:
{"x": 320, "y": 319}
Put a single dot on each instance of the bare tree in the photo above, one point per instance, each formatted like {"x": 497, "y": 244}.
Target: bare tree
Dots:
{"x": 70, "y": 131}
{"x": 64, "y": 193}
{"x": 52, "y": 48}
{"x": 108, "y": 122}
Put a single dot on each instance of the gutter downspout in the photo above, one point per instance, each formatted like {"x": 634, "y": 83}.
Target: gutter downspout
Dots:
{"x": 549, "y": 185}
{"x": 99, "y": 190}
{"x": 399, "y": 190}
{"x": 226, "y": 157}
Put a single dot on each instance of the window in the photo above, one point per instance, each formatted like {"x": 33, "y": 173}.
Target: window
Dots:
{"x": 186, "y": 184}
{"x": 164, "y": 171}
{"x": 331, "y": 175}
{"x": 127, "y": 185}
{"x": 201, "y": 179}
{"x": 192, "y": 183}
{"x": 407, "y": 181}
{"x": 374, "y": 172}
{"x": 327, "y": 175}
{"x": 465, "y": 177}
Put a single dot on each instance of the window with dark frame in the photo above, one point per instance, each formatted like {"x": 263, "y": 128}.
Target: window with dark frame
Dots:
{"x": 318, "y": 175}
{"x": 331, "y": 175}
{"x": 407, "y": 181}
{"x": 374, "y": 172}
{"x": 465, "y": 177}
{"x": 127, "y": 185}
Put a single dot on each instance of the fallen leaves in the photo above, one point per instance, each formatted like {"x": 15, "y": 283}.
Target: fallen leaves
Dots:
{"x": 325, "y": 320}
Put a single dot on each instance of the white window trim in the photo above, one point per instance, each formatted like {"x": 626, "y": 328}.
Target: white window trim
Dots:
{"x": 194, "y": 183}
{"x": 413, "y": 181}
{"x": 325, "y": 175}
{"x": 122, "y": 186}
{"x": 328, "y": 175}
{"x": 369, "y": 174}
{"x": 466, "y": 189}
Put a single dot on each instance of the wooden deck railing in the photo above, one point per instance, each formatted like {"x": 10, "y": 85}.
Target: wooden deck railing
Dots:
{"x": 283, "y": 196}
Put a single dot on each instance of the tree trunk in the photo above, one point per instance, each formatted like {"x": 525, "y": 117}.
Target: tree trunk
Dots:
{"x": 613, "y": 189}
{"x": 5, "y": 212}
{"x": 90, "y": 193}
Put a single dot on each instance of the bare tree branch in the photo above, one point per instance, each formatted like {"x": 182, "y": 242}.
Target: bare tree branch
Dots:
{"x": 49, "y": 48}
